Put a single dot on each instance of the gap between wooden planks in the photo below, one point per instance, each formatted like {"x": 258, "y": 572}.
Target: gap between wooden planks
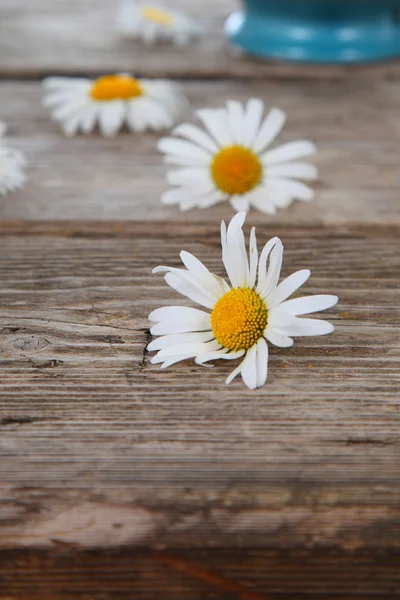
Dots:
{"x": 93, "y": 435}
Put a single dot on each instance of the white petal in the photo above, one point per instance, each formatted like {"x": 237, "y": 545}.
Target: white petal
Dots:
{"x": 234, "y": 253}
{"x": 111, "y": 117}
{"x": 218, "y": 354}
{"x": 196, "y": 135}
{"x": 154, "y": 115}
{"x": 179, "y": 319}
{"x": 253, "y": 254}
{"x": 240, "y": 203}
{"x": 295, "y": 169}
{"x": 274, "y": 270}
{"x": 185, "y": 195}
{"x": 193, "y": 348}
{"x": 271, "y": 127}
{"x": 234, "y": 373}
{"x": 287, "y": 287}
{"x": 261, "y": 362}
{"x": 184, "y": 285}
{"x": 184, "y": 149}
{"x": 71, "y": 125}
{"x": 290, "y": 151}
{"x": 189, "y": 176}
{"x": 264, "y": 200}
{"x": 216, "y": 121}
{"x": 236, "y": 120}
{"x": 249, "y": 368}
{"x": 252, "y": 120}
{"x": 294, "y": 189}
{"x": 278, "y": 339}
{"x": 309, "y": 304}
{"x": 211, "y": 199}
{"x": 266, "y": 277}
{"x": 179, "y": 338}
{"x": 307, "y": 327}
{"x": 200, "y": 272}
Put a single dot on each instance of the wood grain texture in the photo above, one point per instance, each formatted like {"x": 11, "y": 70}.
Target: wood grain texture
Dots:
{"x": 356, "y": 129}
{"x": 79, "y": 36}
{"x": 207, "y": 574}
{"x": 99, "y": 448}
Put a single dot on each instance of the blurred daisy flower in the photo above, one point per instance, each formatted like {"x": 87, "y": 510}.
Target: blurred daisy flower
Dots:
{"x": 12, "y": 164}
{"x": 240, "y": 317}
{"x": 230, "y": 161}
{"x": 112, "y": 101}
{"x": 152, "y": 23}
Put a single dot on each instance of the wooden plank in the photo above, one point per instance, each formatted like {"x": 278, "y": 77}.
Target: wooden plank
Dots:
{"x": 268, "y": 574}
{"x": 356, "y": 129}
{"x": 79, "y": 36}
{"x": 99, "y": 448}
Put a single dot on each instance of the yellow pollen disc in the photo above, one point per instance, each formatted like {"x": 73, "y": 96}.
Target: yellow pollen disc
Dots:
{"x": 115, "y": 87}
{"x": 239, "y": 318}
{"x": 236, "y": 170}
{"x": 156, "y": 15}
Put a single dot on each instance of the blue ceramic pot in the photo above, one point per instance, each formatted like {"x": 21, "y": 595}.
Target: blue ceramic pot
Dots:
{"x": 326, "y": 31}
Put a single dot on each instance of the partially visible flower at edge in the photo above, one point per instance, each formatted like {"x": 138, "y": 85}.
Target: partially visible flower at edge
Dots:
{"x": 242, "y": 316}
{"x": 12, "y": 165}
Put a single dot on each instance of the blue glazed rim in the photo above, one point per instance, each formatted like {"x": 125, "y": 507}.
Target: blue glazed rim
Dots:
{"x": 317, "y": 31}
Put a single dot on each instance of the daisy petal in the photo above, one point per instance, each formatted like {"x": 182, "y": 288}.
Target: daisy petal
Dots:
{"x": 294, "y": 189}
{"x": 309, "y": 304}
{"x": 253, "y": 254}
{"x": 218, "y": 354}
{"x": 277, "y": 338}
{"x": 307, "y": 327}
{"x": 216, "y": 121}
{"x": 287, "y": 287}
{"x": 261, "y": 362}
{"x": 262, "y": 265}
{"x": 179, "y": 319}
{"x": 234, "y": 373}
{"x": 183, "y": 283}
{"x": 184, "y": 149}
{"x": 271, "y": 127}
{"x": 295, "y": 169}
{"x": 249, "y": 368}
{"x": 179, "y": 338}
{"x": 290, "y": 151}
{"x": 189, "y": 176}
{"x": 236, "y": 120}
{"x": 196, "y": 135}
{"x": 252, "y": 120}
{"x": 111, "y": 118}
{"x": 240, "y": 203}
{"x": 200, "y": 272}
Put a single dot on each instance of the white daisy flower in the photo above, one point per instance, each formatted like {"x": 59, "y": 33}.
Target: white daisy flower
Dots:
{"x": 112, "y": 101}
{"x": 12, "y": 163}
{"x": 231, "y": 161}
{"x": 240, "y": 317}
{"x": 152, "y": 22}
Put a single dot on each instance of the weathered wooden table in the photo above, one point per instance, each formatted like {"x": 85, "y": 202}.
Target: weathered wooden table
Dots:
{"x": 120, "y": 481}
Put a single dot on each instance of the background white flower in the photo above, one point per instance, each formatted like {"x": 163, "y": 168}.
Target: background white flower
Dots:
{"x": 241, "y": 318}
{"x": 231, "y": 161}
{"x": 111, "y": 101}
{"x": 12, "y": 164}
{"x": 152, "y": 22}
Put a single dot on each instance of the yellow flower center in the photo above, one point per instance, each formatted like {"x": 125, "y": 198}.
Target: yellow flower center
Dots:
{"x": 156, "y": 15}
{"x": 115, "y": 87}
{"x": 239, "y": 318}
{"x": 236, "y": 170}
